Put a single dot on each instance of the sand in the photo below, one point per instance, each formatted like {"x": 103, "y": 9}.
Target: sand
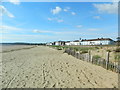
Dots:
{"x": 44, "y": 67}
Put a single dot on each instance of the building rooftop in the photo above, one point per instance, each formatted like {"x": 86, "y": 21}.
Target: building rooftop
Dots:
{"x": 98, "y": 39}
{"x": 67, "y": 41}
{"x": 76, "y": 41}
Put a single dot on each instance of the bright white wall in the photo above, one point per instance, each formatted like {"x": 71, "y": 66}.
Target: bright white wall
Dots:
{"x": 105, "y": 42}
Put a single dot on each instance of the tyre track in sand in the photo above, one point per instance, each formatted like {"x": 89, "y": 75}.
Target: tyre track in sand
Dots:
{"x": 17, "y": 73}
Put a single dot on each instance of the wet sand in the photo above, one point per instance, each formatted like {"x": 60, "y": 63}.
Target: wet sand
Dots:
{"x": 44, "y": 67}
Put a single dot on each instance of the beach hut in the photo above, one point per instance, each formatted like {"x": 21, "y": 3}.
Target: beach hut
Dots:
{"x": 60, "y": 43}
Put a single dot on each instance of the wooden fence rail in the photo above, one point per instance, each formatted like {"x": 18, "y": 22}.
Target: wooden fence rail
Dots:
{"x": 105, "y": 63}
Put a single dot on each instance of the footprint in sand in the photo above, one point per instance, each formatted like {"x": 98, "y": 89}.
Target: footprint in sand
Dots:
{"x": 83, "y": 83}
{"x": 95, "y": 82}
{"x": 68, "y": 73}
{"x": 76, "y": 70}
{"x": 90, "y": 73}
{"x": 61, "y": 70}
{"x": 53, "y": 85}
{"x": 50, "y": 76}
{"x": 26, "y": 76}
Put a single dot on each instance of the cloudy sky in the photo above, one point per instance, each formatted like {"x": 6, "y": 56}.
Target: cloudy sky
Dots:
{"x": 51, "y": 21}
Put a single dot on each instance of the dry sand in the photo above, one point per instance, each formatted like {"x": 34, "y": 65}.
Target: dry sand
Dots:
{"x": 46, "y": 67}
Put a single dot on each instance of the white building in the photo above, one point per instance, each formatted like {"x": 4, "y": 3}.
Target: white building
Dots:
{"x": 59, "y": 43}
{"x": 76, "y": 42}
{"x": 99, "y": 41}
{"x": 67, "y": 43}
{"x": 50, "y": 43}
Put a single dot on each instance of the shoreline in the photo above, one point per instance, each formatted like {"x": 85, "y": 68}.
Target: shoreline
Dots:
{"x": 11, "y": 48}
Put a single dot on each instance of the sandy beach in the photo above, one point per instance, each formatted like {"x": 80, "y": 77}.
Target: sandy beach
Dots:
{"x": 44, "y": 67}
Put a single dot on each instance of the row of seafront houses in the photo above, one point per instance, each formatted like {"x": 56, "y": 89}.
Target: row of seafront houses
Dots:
{"x": 98, "y": 41}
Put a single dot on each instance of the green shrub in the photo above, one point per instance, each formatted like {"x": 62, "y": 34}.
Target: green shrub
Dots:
{"x": 98, "y": 51}
{"x": 59, "y": 48}
{"x": 96, "y": 57}
{"x": 108, "y": 50}
{"x": 117, "y": 57}
{"x": 96, "y": 47}
{"x": 76, "y": 49}
{"x": 84, "y": 51}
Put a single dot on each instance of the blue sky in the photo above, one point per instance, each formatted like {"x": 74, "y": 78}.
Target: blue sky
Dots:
{"x": 51, "y": 21}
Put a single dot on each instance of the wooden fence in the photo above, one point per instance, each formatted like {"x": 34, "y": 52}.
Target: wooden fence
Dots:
{"x": 105, "y": 63}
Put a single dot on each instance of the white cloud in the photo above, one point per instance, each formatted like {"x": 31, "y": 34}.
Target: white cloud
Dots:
{"x": 79, "y": 26}
{"x": 3, "y": 10}
{"x": 16, "y": 2}
{"x": 93, "y": 29}
{"x": 68, "y": 33}
{"x": 115, "y": 1}
{"x": 60, "y": 20}
{"x": 56, "y": 19}
{"x": 73, "y": 13}
{"x": 50, "y": 19}
{"x": 45, "y": 31}
{"x": 97, "y": 17}
{"x": 107, "y": 8}
{"x": 66, "y": 9}
{"x": 56, "y": 10}
{"x": 3, "y": 32}
{"x": 8, "y": 28}
{"x": 41, "y": 31}
{"x": 59, "y": 9}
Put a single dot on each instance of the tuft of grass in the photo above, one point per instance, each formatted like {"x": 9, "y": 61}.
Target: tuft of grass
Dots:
{"x": 117, "y": 57}
{"x": 117, "y": 50}
{"x": 96, "y": 47}
{"x": 59, "y": 48}
{"x": 108, "y": 50}
{"x": 84, "y": 51}
{"x": 96, "y": 57}
{"x": 76, "y": 48}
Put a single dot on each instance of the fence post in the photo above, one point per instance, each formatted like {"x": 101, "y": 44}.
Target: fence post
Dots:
{"x": 74, "y": 53}
{"x": 70, "y": 52}
{"x": 78, "y": 55}
{"x": 107, "y": 59}
{"x": 114, "y": 66}
{"x": 77, "y": 52}
{"x": 98, "y": 61}
{"x": 89, "y": 57}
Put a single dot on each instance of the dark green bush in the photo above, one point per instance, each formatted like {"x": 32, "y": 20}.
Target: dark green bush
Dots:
{"x": 108, "y": 50}
{"x": 84, "y": 51}
{"x": 59, "y": 48}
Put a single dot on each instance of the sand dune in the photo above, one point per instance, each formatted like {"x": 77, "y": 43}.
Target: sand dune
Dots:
{"x": 40, "y": 67}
